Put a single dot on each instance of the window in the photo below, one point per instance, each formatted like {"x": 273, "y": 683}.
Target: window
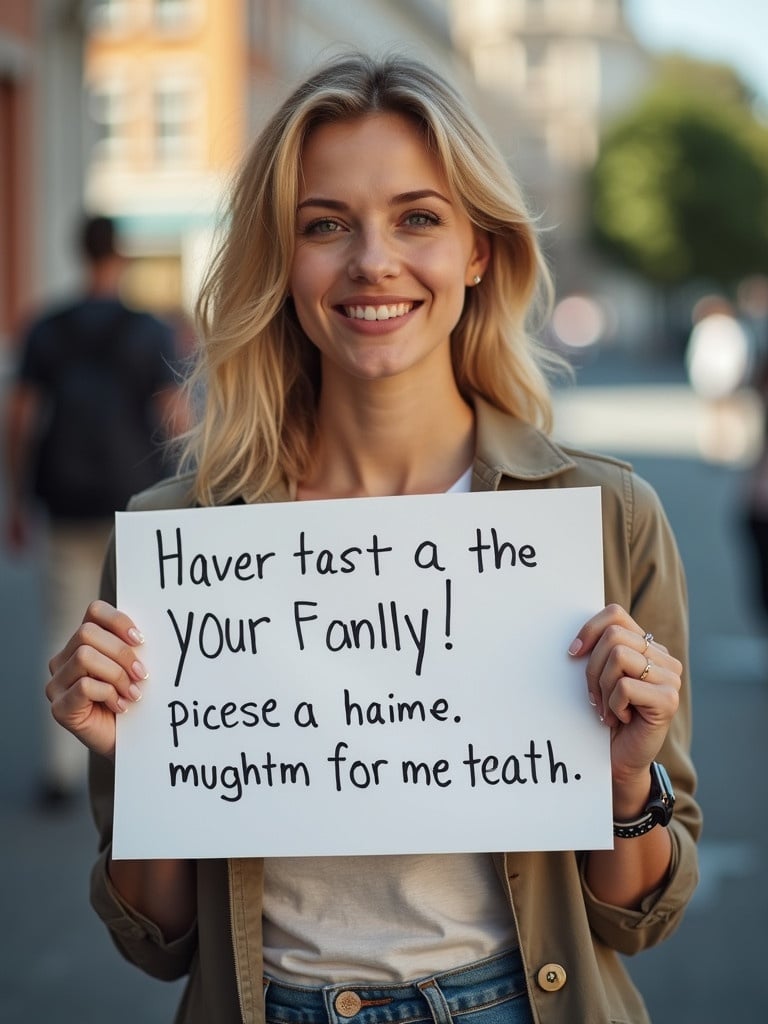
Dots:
{"x": 113, "y": 15}
{"x": 500, "y": 65}
{"x": 175, "y": 15}
{"x": 109, "y": 106}
{"x": 537, "y": 70}
{"x": 177, "y": 102}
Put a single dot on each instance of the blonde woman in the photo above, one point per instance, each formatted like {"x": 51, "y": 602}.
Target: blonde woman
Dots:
{"x": 366, "y": 332}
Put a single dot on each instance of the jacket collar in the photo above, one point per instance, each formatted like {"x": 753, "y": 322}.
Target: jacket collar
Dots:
{"x": 506, "y": 446}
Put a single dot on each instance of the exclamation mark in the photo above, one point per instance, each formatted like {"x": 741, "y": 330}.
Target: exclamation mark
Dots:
{"x": 448, "y": 644}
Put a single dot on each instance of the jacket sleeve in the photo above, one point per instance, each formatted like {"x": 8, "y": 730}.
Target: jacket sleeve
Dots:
{"x": 138, "y": 939}
{"x": 646, "y": 576}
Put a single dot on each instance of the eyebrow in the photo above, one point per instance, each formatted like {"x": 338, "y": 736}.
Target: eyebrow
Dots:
{"x": 398, "y": 200}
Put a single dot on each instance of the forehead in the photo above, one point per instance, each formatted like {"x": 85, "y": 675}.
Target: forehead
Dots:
{"x": 381, "y": 147}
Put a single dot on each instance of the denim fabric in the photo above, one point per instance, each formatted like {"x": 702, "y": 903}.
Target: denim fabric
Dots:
{"x": 490, "y": 991}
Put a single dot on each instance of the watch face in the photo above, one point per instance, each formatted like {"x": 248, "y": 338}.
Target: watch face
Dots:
{"x": 662, "y": 794}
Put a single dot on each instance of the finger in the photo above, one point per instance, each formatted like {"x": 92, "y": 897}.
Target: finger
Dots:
{"x": 619, "y": 651}
{"x": 613, "y": 615}
{"x": 630, "y": 637}
{"x": 114, "y": 620}
{"x": 88, "y": 709}
{"x": 611, "y": 658}
{"x": 113, "y": 663}
{"x": 72, "y": 703}
{"x": 106, "y": 617}
{"x": 657, "y": 702}
{"x": 611, "y": 630}
{"x": 650, "y": 643}
{"x": 647, "y": 667}
{"x": 92, "y": 636}
{"x": 626, "y": 671}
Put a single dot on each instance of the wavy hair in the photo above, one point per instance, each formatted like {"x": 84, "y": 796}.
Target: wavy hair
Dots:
{"x": 259, "y": 372}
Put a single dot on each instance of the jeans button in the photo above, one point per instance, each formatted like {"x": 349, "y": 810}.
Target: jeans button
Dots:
{"x": 347, "y": 1003}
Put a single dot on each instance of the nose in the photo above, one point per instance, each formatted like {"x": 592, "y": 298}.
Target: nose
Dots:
{"x": 373, "y": 257}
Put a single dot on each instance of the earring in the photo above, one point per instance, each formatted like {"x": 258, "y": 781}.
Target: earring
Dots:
{"x": 476, "y": 279}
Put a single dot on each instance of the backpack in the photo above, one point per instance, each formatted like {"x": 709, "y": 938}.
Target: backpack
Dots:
{"x": 97, "y": 443}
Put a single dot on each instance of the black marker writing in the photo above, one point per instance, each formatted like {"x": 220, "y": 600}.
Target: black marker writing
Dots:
{"x": 524, "y": 555}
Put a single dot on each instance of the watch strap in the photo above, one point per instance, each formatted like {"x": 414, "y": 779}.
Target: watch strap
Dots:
{"x": 632, "y": 829}
{"x": 658, "y": 810}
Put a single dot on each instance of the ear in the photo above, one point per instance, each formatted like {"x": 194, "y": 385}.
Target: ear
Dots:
{"x": 479, "y": 259}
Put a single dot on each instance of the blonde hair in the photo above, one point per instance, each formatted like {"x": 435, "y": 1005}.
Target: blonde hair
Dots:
{"x": 259, "y": 372}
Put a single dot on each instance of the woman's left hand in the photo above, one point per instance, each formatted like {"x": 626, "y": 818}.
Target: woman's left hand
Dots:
{"x": 634, "y": 684}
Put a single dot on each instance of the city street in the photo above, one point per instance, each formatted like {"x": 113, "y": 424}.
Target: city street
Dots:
{"x": 58, "y": 963}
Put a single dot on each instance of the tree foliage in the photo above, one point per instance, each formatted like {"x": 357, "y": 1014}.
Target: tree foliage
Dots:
{"x": 680, "y": 188}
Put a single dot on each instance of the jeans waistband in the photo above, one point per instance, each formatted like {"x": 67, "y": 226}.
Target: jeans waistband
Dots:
{"x": 458, "y": 990}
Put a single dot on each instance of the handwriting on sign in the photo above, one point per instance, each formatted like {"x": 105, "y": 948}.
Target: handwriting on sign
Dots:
{"x": 410, "y": 653}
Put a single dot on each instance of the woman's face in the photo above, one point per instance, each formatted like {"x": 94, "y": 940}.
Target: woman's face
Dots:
{"x": 384, "y": 252}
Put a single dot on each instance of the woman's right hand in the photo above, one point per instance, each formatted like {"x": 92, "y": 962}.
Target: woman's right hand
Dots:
{"x": 96, "y": 676}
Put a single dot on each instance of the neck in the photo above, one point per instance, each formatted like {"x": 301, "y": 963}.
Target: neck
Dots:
{"x": 386, "y": 437}
{"x": 104, "y": 277}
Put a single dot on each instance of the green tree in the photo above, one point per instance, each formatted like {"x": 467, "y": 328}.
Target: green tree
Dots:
{"x": 680, "y": 188}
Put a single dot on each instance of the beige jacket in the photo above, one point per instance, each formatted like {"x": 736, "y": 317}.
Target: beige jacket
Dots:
{"x": 568, "y": 939}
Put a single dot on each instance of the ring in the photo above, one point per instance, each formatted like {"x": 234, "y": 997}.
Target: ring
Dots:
{"x": 648, "y": 641}
{"x": 646, "y": 670}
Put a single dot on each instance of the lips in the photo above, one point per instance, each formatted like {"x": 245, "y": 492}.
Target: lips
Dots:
{"x": 384, "y": 311}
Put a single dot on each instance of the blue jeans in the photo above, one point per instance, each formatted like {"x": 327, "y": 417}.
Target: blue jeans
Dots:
{"x": 491, "y": 991}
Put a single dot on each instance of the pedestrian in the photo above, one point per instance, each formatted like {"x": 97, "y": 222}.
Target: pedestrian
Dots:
{"x": 364, "y": 334}
{"x": 85, "y": 420}
{"x": 753, "y": 511}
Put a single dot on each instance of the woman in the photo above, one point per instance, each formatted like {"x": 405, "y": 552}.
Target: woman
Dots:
{"x": 364, "y": 333}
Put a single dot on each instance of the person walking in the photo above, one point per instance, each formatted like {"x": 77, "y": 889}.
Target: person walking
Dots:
{"x": 93, "y": 398}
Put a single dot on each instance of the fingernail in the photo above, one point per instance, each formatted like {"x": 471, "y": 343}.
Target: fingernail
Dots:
{"x": 592, "y": 699}
{"x": 139, "y": 671}
{"x": 134, "y": 691}
{"x": 136, "y": 636}
{"x": 575, "y": 647}
{"x": 121, "y": 705}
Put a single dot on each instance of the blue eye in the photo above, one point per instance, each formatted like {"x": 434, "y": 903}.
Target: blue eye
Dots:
{"x": 422, "y": 219}
{"x": 322, "y": 226}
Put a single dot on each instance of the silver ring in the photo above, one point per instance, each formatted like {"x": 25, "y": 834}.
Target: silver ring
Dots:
{"x": 648, "y": 641}
{"x": 646, "y": 670}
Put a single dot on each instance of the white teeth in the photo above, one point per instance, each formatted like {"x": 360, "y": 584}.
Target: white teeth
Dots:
{"x": 378, "y": 312}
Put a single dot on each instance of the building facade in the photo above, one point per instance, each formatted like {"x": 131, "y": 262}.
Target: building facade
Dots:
{"x": 553, "y": 72}
{"x": 41, "y": 154}
{"x": 174, "y": 90}
{"x": 165, "y": 83}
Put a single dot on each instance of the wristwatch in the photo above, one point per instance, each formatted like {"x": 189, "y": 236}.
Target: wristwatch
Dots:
{"x": 658, "y": 810}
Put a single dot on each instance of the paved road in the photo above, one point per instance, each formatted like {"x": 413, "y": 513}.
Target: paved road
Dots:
{"x": 58, "y": 964}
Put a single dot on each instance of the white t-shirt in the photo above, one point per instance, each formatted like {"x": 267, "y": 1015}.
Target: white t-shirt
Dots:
{"x": 382, "y": 918}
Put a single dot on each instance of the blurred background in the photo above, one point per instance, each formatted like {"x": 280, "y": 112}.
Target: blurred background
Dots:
{"x": 639, "y": 130}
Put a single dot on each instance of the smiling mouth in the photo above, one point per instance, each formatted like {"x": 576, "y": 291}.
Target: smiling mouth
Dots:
{"x": 383, "y": 312}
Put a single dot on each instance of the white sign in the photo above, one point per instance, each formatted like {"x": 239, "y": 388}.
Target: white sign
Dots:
{"x": 367, "y": 676}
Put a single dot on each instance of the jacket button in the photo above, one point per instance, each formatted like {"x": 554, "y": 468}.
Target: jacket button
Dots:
{"x": 347, "y": 1003}
{"x": 551, "y": 977}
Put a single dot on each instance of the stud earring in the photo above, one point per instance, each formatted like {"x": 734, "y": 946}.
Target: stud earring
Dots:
{"x": 476, "y": 279}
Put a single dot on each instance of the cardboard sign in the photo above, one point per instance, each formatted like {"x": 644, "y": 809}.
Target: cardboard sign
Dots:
{"x": 366, "y": 676}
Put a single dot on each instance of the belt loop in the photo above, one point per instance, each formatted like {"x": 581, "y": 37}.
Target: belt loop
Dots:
{"x": 430, "y": 989}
